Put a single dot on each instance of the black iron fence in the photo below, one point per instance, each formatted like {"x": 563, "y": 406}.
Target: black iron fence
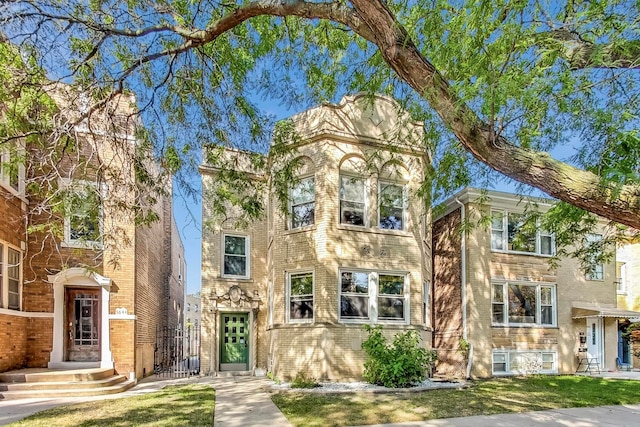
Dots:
{"x": 177, "y": 352}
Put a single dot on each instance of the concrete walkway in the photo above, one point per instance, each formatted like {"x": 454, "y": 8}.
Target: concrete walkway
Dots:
{"x": 246, "y": 401}
{"x": 602, "y": 416}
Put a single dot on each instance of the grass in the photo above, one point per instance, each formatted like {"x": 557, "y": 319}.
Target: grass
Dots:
{"x": 497, "y": 396}
{"x": 189, "y": 405}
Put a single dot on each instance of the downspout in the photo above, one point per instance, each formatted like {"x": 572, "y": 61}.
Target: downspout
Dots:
{"x": 463, "y": 286}
{"x": 463, "y": 276}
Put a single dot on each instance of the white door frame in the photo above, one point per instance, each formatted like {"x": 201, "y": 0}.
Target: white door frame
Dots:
{"x": 595, "y": 339}
{"x": 79, "y": 277}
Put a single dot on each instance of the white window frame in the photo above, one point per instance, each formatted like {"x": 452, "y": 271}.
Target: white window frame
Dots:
{"x": 292, "y": 205}
{"x": 505, "y": 304}
{"x": 288, "y": 294}
{"x": 82, "y": 243}
{"x": 598, "y": 270}
{"x": 403, "y": 186}
{"x": 4, "y": 275}
{"x": 5, "y": 177}
{"x": 365, "y": 203}
{"x": 621, "y": 280}
{"x": 373, "y": 287}
{"x": 270, "y": 302}
{"x": 506, "y": 356}
{"x": 504, "y": 239}
{"x": 247, "y": 249}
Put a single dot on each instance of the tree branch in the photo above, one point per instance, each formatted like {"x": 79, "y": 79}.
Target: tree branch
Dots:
{"x": 581, "y": 54}
{"x": 558, "y": 179}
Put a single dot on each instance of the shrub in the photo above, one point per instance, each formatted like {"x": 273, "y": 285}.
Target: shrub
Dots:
{"x": 302, "y": 381}
{"x": 399, "y": 364}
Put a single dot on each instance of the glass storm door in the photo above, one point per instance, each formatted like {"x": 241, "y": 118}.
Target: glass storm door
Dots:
{"x": 234, "y": 342}
{"x": 83, "y": 324}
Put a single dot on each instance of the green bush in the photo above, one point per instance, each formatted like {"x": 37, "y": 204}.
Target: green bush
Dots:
{"x": 302, "y": 381}
{"x": 399, "y": 364}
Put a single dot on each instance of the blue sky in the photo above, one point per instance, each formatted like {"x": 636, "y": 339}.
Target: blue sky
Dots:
{"x": 188, "y": 212}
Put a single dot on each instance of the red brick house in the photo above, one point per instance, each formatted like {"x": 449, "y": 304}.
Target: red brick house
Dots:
{"x": 81, "y": 290}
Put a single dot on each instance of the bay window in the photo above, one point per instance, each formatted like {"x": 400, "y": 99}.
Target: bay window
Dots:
{"x": 300, "y": 296}
{"x": 353, "y": 208}
{"x": 373, "y": 296}
{"x": 303, "y": 203}
{"x": 391, "y": 206}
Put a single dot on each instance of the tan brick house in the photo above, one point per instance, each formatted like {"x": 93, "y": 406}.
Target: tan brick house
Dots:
{"x": 78, "y": 300}
{"x": 494, "y": 287}
{"x": 290, "y": 293}
{"x": 628, "y": 289}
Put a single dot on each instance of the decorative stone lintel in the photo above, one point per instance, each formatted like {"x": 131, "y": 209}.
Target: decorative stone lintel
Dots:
{"x": 235, "y": 297}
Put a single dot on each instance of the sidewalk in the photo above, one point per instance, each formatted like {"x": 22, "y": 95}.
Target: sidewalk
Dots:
{"x": 602, "y": 416}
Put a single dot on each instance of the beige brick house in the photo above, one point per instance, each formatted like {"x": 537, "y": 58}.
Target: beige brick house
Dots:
{"x": 494, "y": 287}
{"x": 628, "y": 289}
{"x": 290, "y": 293}
{"x": 76, "y": 300}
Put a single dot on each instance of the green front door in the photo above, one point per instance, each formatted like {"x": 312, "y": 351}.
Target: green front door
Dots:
{"x": 234, "y": 341}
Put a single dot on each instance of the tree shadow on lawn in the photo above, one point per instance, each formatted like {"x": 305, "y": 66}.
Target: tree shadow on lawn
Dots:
{"x": 173, "y": 405}
{"x": 486, "y": 397}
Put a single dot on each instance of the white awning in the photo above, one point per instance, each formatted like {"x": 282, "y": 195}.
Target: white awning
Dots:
{"x": 580, "y": 311}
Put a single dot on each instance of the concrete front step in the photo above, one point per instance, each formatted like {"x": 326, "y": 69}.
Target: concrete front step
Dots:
{"x": 41, "y": 375}
{"x": 61, "y": 385}
{"x": 69, "y": 389}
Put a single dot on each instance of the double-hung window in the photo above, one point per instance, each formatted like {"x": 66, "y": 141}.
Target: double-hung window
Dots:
{"x": 391, "y": 206}
{"x": 10, "y": 262}
{"x": 511, "y": 232}
{"x": 353, "y": 208}
{"x": 235, "y": 261}
{"x": 300, "y": 295}
{"x": 595, "y": 270}
{"x": 12, "y": 172}
{"x": 373, "y": 296}
{"x": 83, "y": 219}
{"x": 303, "y": 203}
{"x": 517, "y": 303}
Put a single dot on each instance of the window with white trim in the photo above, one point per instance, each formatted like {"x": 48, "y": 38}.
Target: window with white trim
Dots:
{"x": 523, "y": 362}
{"x": 12, "y": 171}
{"x": 353, "y": 207}
{"x": 235, "y": 261}
{"x": 510, "y": 232}
{"x": 596, "y": 267}
{"x": 83, "y": 215}
{"x": 523, "y": 304}
{"x": 621, "y": 277}
{"x": 10, "y": 277}
{"x": 300, "y": 296}
{"x": 302, "y": 200}
{"x": 373, "y": 296}
{"x": 391, "y": 206}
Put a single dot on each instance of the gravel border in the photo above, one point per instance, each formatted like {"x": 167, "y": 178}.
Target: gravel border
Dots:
{"x": 359, "y": 386}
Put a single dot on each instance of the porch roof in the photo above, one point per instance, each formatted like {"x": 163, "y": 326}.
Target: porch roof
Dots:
{"x": 581, "y": 311}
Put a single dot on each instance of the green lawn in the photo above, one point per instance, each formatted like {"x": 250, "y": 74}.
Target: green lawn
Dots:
{"x": 483, "y": 398}
{"x": 189, "y": 405}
